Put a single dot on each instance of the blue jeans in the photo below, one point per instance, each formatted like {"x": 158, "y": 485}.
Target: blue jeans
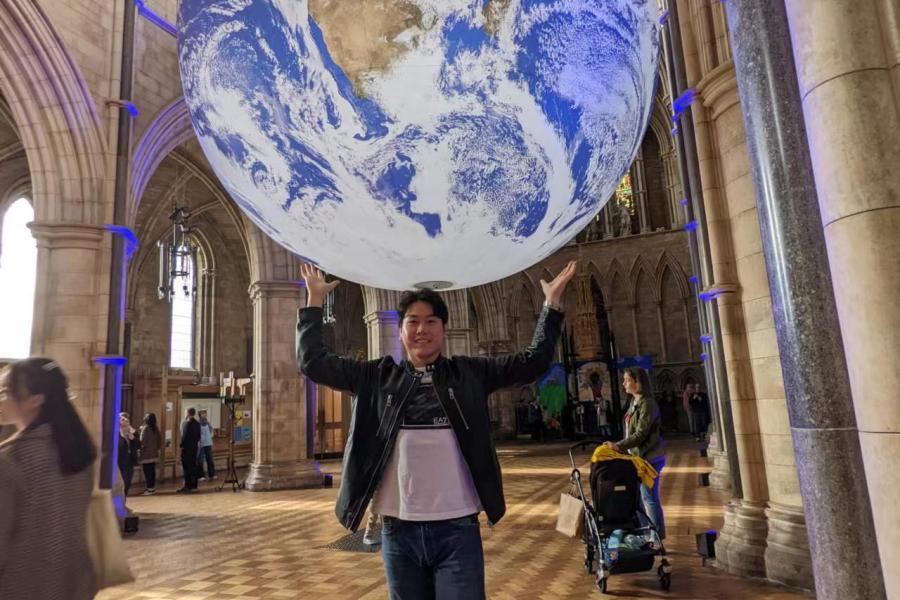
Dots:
{"x": 652, "y": 504}
{"x": 433, "y": 560}
{"x": 205, "y": 452}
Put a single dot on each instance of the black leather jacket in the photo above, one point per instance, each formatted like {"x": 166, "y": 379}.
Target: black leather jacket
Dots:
{"x": 382, "y": 387}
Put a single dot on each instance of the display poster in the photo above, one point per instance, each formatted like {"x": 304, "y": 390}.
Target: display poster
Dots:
{"x": 243, "y": 431}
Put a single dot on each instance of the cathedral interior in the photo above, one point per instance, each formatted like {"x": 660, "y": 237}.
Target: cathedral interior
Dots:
{"x": 751, "y": 250}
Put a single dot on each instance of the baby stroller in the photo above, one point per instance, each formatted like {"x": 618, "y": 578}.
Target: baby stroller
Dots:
{"x": 617, "y": 531}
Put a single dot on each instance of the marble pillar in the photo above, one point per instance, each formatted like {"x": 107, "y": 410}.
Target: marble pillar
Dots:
{"x": 280, "y": 458}
{"x": 845, "y": 53}
{"x": 807, "y": 330}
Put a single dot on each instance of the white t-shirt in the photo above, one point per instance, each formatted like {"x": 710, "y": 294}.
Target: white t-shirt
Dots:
{"x": 426, "y": 477}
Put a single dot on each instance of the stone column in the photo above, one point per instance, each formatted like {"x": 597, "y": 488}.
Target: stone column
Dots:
{"x": 69, "y": 323}
{"x": 632, "y": 310}
{"x": 606, "y": 221}
{"x": 735, "y": 289}
{"x": 208, "y": 322}
{"x": 383, "y": 327}
{"x": 845, "y": 61}
{"x": 457, "y": 334}
{"x": 457, "y": 341}
{"x": 279, "y": 392}
{"x": 694, "y": 138}
{"x": 673, "y": 191}
{"x": 661, "y": 324}
{"x": 639, "y": 191}
{"x": 720, "y": 477}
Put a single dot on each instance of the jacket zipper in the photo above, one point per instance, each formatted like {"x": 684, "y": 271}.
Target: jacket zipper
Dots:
{"x": 384, "y": 412}
{"x": 458, "y": 408}
{"x": 386, "y": 453}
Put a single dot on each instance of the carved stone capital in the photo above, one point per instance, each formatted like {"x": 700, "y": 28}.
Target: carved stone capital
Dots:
{"x": 382, "y": 317}
{"x": 67, "y": 235}
{"x": 719, "y": 89}
{"x": 260, "y": 290}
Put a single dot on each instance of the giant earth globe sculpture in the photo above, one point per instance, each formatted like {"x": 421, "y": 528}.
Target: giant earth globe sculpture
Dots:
{"x": 401, "y": 143}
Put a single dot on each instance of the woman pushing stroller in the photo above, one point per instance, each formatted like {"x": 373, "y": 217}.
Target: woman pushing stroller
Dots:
{"x": 643, "y": 438}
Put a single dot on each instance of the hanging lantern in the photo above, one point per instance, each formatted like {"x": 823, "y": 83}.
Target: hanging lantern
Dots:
{"x": 177, "y": 259}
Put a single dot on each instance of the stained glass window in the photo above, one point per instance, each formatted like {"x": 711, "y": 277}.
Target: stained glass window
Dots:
{"x": 624, "y": 194}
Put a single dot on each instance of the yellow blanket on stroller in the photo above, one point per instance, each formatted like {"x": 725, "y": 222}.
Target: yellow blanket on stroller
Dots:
{"x": 645, "y": 470}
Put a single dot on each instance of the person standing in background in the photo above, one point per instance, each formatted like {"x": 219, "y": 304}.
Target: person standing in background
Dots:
{"x": 643, "y": 438}
{"x": 698, "y": 404}
{"x": 206, "y": 449}
{"x": 190, "y": 444}
{"x": 128, "y": 451}
{"x": 151, "y": 442}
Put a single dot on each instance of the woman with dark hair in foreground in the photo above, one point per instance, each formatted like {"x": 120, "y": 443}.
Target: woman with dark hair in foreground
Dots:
{"x": 47, "y": 480}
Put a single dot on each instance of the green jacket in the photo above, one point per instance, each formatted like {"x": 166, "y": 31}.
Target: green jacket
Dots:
{"x": 642, "y": 435}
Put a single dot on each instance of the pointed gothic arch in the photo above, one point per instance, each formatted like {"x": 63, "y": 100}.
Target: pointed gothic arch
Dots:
{"x": 55, "y": 115}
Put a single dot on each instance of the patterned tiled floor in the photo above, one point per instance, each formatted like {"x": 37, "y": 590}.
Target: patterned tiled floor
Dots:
{"x": 269, "y": 545}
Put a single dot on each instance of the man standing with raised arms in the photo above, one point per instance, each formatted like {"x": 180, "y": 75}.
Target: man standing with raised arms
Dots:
{"x": 420, "y": 441}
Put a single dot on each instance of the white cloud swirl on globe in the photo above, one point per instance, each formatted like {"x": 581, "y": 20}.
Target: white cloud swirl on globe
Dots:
{"x": 468, "y": 148}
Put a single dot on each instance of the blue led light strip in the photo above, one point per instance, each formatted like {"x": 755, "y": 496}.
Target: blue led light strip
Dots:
{"x": 155, "y": 18}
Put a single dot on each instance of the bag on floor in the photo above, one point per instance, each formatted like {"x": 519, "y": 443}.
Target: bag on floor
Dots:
{"x": 104, "y": 542}
{"x": 570, "y": 521}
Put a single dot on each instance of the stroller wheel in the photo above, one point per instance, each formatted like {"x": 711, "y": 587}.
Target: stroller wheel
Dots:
{"x": 601, "y": 584}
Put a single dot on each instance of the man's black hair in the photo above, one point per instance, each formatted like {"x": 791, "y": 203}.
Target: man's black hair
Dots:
{"x": 438, "y": 307}
{"x": 192, "y": 411}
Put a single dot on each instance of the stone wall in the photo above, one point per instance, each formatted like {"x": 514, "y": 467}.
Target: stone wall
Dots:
{"x": 752, "y": 541}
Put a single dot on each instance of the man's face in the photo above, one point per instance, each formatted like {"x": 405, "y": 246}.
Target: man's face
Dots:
{"x": 422, "y": 333}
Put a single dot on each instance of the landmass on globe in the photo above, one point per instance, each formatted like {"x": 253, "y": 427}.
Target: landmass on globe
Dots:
{"x": 365, "y": 37}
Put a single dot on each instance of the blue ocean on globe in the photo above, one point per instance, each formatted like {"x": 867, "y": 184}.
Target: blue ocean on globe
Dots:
{"x": 399, "y": 142}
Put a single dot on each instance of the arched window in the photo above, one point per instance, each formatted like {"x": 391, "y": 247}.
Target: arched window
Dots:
{"x": 18, "y": 264}
{"x": 181, "y": 355}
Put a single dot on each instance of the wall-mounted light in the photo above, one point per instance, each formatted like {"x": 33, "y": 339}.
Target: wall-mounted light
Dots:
{"x": 127, "y": 105}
